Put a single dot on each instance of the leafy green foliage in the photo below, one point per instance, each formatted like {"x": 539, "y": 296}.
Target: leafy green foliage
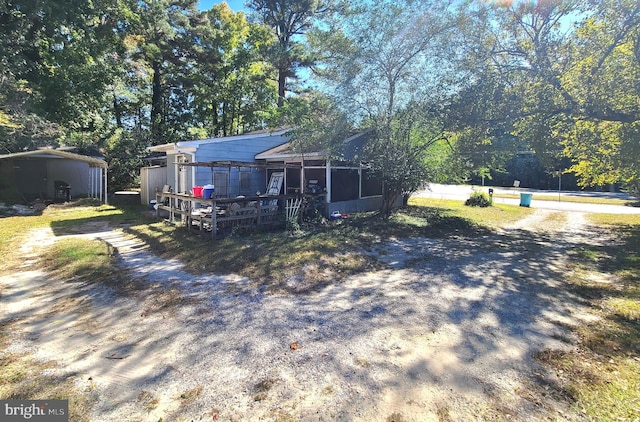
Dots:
{"x": 565, "y": 74}
{"x": 384, "y": 68}
{"x": 493, "y": 79}
{"x": 317, "y": 123}
{"x": 123, "y": 151}
{"x": 479, "y": 199}
{"x": 398, "y": 152}
{"x": 233, "y": 89}
{"x": 290, "y": 20}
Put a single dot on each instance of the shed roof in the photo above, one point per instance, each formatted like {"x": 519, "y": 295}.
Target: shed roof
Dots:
{"x": 54, "y": 153}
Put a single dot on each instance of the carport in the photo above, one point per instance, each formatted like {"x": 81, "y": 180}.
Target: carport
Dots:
{"x": 51, "y": 174}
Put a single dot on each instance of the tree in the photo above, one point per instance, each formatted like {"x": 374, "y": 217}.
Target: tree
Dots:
{"x": 233, "y": 88}
{"x": 53, "y": 68}
{"x": 574, "y": 65}
{"x": 164, "y": 38}
{"x": 20, "y": 128}
{"x": 317, "y": 123}
{"x": 387, "y": 68}
{"x": 603, "y": 82}
{"x": 290, "y": 20}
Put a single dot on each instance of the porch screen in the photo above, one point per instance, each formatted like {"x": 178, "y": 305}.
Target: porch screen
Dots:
{"x": 221, "y": 183}
{"x": 245, "y": 182}
{"x": 344, "y": 184}
{"x": 371, "y": 183}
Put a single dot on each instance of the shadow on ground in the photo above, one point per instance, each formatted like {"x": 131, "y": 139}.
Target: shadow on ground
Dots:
{"x": 450, "y": 328}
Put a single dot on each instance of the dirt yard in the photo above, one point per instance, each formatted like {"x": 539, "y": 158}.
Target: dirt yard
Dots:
{"x": 447, "y": 332}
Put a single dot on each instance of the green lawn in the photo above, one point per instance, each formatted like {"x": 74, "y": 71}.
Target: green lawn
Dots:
{"x": 569, "y": 198}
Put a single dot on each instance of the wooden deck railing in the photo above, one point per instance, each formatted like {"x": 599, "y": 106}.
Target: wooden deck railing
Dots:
{"x": 220, "y": 214}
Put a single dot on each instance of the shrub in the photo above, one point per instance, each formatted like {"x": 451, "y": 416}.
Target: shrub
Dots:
{"x": 479, "y": 199}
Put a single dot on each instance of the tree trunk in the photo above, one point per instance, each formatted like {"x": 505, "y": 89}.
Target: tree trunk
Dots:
{"x": 215, "y": 119}
{"x": 405, "y": 199}
{"x": 116, "y": 111}
{"x": 156, "y": 104}
{"x": 282, "y": 84}
{"x": 225, "y": 111}
{"x": 389, "y": 197}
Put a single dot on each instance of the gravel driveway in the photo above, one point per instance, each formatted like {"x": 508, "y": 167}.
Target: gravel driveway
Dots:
{"x": 446, "y": 332}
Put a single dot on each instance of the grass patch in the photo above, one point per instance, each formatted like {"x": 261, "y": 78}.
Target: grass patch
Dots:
{"x": 616, "y": 220}
{"x": 303, "y": 262}
{"x": 572, "y": 199}
{"x": 189, "y": 396}
{"x": 63, "y": 219}
{"x": 87, "y": 261}
{"x": 262, "y": 389}
{"x": 602, "y": 377}
{"x": 82, "y": 259}
{"x": 148, "y": 400}
{"x": 491, "y": 218}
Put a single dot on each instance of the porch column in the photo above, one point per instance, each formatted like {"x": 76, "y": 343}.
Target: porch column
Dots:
{"x": 328, "y": 177}
{"x": 95, "y": 183}
{"x": 90, "y": 184}
{"x": 106, "y": 201}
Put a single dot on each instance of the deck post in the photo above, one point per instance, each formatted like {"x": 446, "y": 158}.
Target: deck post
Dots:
{"x": 189, "y": 217}
{"x": 214, "y": 222}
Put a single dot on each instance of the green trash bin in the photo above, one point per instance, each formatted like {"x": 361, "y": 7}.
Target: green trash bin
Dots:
{"x": 525, "y": 199}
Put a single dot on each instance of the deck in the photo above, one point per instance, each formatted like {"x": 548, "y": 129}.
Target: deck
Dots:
{"x": 218, "y": 215}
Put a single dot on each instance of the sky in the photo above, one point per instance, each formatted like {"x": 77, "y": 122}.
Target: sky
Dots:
{"x": 235, "y": 5}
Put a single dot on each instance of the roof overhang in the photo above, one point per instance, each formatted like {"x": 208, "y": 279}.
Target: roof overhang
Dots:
{"x": 174, "y": 148}
{"x": 192, "y": 146}
{"x": 286, "y": 152}
{"x": 57, "y": 154}
{"x": 290, "y": 152}
{"x": 238, "y": 164}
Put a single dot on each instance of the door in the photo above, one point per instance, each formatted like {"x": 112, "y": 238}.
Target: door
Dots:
{"x": 275, "y": 184}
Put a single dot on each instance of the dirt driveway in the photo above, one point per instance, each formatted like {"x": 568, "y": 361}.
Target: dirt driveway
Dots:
{"x": 446, "y": 332}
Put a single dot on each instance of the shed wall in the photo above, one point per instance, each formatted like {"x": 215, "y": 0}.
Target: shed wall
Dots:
{"x": 152, "y": 180}
{"x": 74, "y": 173}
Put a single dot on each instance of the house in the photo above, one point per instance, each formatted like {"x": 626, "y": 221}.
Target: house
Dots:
{"x": 51, "y": 174}
{"x": 243, "y": 164}
{"x": 233, "y": 174}
{"x": 350, "y": 186}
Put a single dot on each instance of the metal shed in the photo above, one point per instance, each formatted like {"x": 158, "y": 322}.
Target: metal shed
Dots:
{"x": 52, "y": 174}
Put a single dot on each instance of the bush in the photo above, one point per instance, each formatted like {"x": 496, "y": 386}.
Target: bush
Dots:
{"x": 479, "y": 199}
